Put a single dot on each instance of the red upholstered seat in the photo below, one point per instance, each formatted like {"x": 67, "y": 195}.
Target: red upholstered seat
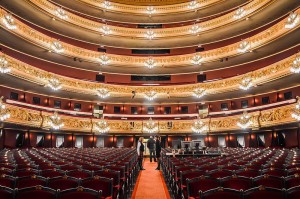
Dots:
{"x": 237, "y": 183}
{"x": 36, "y": 193}
{"x": 100, "y": 184}
{"x": 62, "y": 183}
{"x": 200, "y": 184}
{"x": 79, "y": 174}
{"x": 269, "y": 181}
{"x": 292, "y": 181}
{"x": 248, "y": 173}
{"x": 220, "y": 174}
{"x": 30, "y": 182}
{"x": 6, "y": 193}
{"x": 293, "y": 193}
{"x": 80, "y": 193}
{"x": 221, "y": 193}
{"x": 25, "y": 172}
{"x": 264, "y": 193}
{"x": 51, "y": 173}
{"x": 274, "y": 172}
{"x": 7, "y": 181}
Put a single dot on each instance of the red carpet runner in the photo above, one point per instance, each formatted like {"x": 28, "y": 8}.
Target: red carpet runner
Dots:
{"x": 150, "y": 183}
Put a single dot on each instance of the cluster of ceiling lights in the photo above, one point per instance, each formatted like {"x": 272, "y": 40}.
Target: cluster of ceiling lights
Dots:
{"x": 244, "y": 46}
{"x": 292, "y": 21}
{"x": 295, "y": 66}
{"x": 54, "y": 84}
{"x": 195, "y": 29}
{"x": 104, "y": 59}
{"x": 105, "y": 29}
{"x": 57, "y": 47}
{"x": 244, "y": 121}
{"x": 196, "y": 60}
{"x": 103, "y": 93}
{"x": 296, "y": 112}
{"x": 150, "y": 126}
{"x": 150, "y": 34}
{"x": 246, "y": 83}
{"x": 9, "y": 22}
{"x": 193, "y": 4}
{"x": 55, "y": 121}
{"x": 107, "y": 5}
{"x": 199, "y": 92}
{"x": 199, "y": 126}
{"x": 150, "y": 63}
{"x": 102, "y": 126}
{"x": 150, "y": 95}
{"x": 59, "y": 12}
{"x": 4, "y": 114}
{"x": 4, "y": 65}
{"x": 150, "y": 10}
{"x": 239, "y": 13}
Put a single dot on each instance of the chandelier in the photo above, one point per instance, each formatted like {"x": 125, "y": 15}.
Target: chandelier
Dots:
{"x": 150, "y": 126}
{"x": 57, "y": 47}
{"x": 54, "y": 84}
{"x": 9, "y": 22}
{"x": 296, "y": 112}
{"x": 295, "y": 67}
{"x": 102, "y": 126}
{"x": 246, "y": 83}
{"x": 103, "y": 93}
{"x": 150, "y": 95}
{"x": 196, "y": 60}
{"x": 105, "y": 29}
{"x": 107, "y": 5}
{"x": 104, "y": 59}
{"x": 55, "y": 121}
{"x": 199, "y": 126}
{"x": 199, "y": 92}
{"x": 61, "y": 13}
{"x": 150, "y": 10}
{"x": 150, "y": 34}
{"x": 193, "y": 4}
{"x": 244, "y": 46}
{"x": 292, "y": 20}
{"x": 195, "y": 29}
{"x": 4, "y": 114}
{"x": 245, "y": 120}
{"x": 239, "y": 13}
{"x": 150, "y": 63}
{"x": 4, "y": 66}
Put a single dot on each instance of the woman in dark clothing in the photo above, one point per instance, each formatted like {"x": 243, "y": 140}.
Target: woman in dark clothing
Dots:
{"x": 158, "y": 150}
{"x": 140, "y": 151}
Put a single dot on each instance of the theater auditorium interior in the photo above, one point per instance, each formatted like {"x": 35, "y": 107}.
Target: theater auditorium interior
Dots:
{"x": 149, "y": 99}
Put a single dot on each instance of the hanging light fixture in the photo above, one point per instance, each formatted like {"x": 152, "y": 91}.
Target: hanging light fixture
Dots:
{"x": 150, "y": 10}
{"x": 57, "y": 47}
{"x": 54, "y": 84}
{"x": 61, "y": 13}
{"x": 4, "y": 65}
{"x": 55, "y": 121}
{"x": 245, "y": 120}
{"x": 150, "y": 95}
{"x": 244, "y": 46}
{"x": 150, "y": 34}
{"x": 150, "y": 63}
{"x": 107, "y": 5}
{"x": 195, "y": 29}
{"x": 193, "y": 4}
{"x": 197, "y": 60}
{"x": 9, "y": 22}
{"x": 4, "y": 114}
{"x": 105, "y": 29}
{"x": 104, "y": 59}
{"x": 246, "y": 83}
{"x": 199, "y": 92}
{"x": 102, "y": 126}
{"x": 199, "y": 126}
{"x": 150, "y": 126}
{"x": 296, "y": 112}
{"x": 295, "y": 66}
{"x": 292, "y": 20}
{"x": 239, "y": 13}
{"x": 103, "y": 93}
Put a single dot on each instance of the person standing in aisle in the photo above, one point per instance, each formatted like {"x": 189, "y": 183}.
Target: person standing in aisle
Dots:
{"x": 158, "y": 151}
{"x": 151, "y": 147}
{"x": 140, "y": 151}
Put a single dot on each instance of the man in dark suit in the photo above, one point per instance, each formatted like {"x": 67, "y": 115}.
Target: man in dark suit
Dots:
{"x": 158, "y": 150}
{"x": 151, "y": 146}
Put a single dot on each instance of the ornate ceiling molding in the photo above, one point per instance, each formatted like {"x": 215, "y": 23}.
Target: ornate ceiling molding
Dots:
{"x": 266, "y": 118}
{"x": 261, "y": 76}
{"x": 162, "y": 33}
{"x": 46, "y": 42}
{"x": 161, "y": 7}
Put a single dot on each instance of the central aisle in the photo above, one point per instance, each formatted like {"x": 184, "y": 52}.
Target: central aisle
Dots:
{"x": 150, "y": 183}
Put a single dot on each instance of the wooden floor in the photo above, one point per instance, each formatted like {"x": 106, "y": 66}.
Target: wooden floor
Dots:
{"x": 150, "y": 183}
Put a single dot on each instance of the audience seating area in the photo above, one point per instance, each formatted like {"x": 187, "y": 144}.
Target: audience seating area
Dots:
{"x": 249, "y": 173}
{"x": 67, "y": 173}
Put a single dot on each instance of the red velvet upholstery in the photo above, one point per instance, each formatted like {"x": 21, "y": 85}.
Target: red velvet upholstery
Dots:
{"x": 201, "y": 184}
{"x": 292, "y": 181}
{"x": 78, "y": 195}
{"x": 51, "y": 174}
{"x": 248, "y": 173}
{"x": 237, "y": 183}
{"x": 79, "y": 174}
{"x": 29, "y": 182}
{"x": 270, "y": 181}
{"x": 7, "y": 182}
{"x": 5, "y": 194}
{"x": 36, "y": 194}
{"x": 220, "y": 193}
{"x": 264, "y": 195}
{"x": 103, "y": 184}
{"x": 293, "y": 193}
{"x": 220, "y": 174}
{"x": 62, "y": 183}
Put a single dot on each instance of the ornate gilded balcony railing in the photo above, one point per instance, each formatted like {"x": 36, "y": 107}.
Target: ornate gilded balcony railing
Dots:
{"x": 123, "y": 61}
{"x": 265, "y": 118}
{"x": 261, "y": 76}
{"x": 158, "y": 6}
{"x": 161, "y": 33}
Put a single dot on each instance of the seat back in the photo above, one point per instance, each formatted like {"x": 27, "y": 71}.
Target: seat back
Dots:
{"x": 6, "y": 193}
{"x": 237, "y": 183}
{"x": 80, "y": 193}
{"x": 293, "y": 193}
{"x": 262, "y": 192}
{"x": 99, "y": 184}
{"x": 221, "y": 193}
{"x": 201, "y": 184}
{"x": 37, "y": 192}
{"x": 63, "y": 183}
